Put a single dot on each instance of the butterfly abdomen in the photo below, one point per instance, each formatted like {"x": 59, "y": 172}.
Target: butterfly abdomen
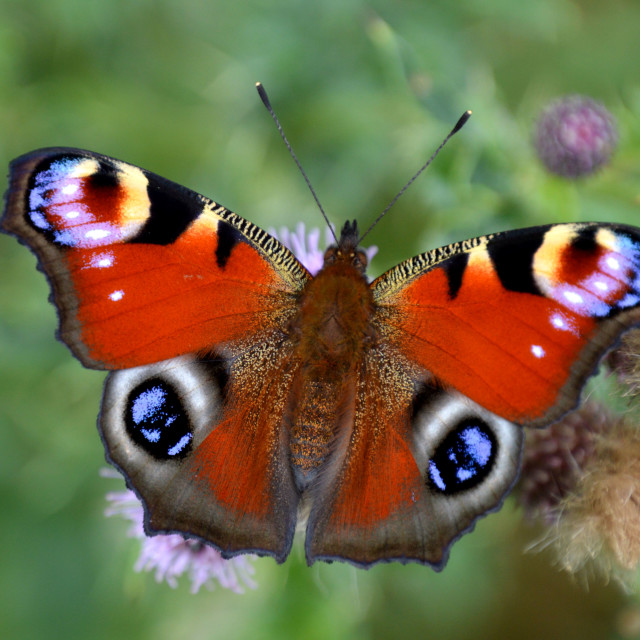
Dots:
{"x": 312, "y": 427}
{"x": 334, "y": 329}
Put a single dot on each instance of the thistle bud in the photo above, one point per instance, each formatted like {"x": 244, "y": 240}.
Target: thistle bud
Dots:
{"x": 575, "y": 136}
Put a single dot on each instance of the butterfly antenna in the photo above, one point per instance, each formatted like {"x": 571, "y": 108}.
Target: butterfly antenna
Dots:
{"x": 461, "y": 122}
{"x": 265, "y": 100}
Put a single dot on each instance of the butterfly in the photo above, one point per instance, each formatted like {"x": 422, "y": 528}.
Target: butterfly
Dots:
{"x": 246, "y": 395}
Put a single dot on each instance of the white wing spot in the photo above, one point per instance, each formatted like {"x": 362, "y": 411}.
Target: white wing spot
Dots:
{"x": 69, "y": 189}
{"x": 613, "y": 263}
{"x": 116, "y": 295}
{"x": 97, "y": 234}
{"x": 537, "y": 350}
{"x": 601, "y": 285}
{"x": 573, "y": 297}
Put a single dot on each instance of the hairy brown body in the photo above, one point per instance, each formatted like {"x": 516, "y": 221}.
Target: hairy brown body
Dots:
{"x": 333, "y": 326}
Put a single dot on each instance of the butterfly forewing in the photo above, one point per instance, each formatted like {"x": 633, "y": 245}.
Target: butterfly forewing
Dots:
{"x": 141, "y": 268}
{"x": 517, "y": 321}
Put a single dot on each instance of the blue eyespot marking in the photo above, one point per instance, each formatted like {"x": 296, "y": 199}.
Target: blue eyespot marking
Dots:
{"x": 156, "y": 420}
{"x": 464, "y": 458}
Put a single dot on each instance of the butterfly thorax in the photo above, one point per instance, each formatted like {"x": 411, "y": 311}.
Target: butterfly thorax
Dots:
{"x": 333, "y": 326}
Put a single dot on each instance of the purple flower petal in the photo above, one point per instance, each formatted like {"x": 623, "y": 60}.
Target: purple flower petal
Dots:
{"x": 170, "y": 556}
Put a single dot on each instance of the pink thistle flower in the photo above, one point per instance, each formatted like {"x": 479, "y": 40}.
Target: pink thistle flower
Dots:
{"x": 170, "y": 556}
{"x": 575, "y": 136}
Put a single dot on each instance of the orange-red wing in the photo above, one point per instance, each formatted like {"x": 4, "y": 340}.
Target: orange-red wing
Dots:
{"x": 201, "y": 442}
{"x": 519, "y": 320}
{"x": 366, "y": 499}
{"x": 141, "y": 268}
{"x": 388, "y": 493}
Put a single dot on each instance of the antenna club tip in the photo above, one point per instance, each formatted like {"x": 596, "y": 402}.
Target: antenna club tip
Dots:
{"x": 263, "y": 95}
{"x": 462, "y": 121}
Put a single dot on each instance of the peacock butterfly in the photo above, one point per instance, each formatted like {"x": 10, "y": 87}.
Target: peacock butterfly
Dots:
{"x": 247, "y": 394}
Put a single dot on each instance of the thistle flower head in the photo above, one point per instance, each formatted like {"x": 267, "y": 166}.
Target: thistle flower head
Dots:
{"x": 554, "y": 459}
{"x": 575, "y": 136}
{"x": 599, "y": 524}
{"x": 624, "y": 361}
{"x": 581, "y": 476}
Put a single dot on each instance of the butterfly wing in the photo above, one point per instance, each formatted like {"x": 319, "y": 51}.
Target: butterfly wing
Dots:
{"x": 472, "y": 341}
{"x": 201, "y": 442}
{"x": 143, "y": 269}
{"x": 519, "y": 320}
{"x": 419, "y": 468}
{"x": 192, "y": 301}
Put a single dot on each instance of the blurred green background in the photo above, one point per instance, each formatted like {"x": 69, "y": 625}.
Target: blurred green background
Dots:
{"x": 365, "y": 91}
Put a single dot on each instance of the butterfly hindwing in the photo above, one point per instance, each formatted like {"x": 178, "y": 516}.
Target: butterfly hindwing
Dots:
{"x": 143, "y": 269}
{"x": 200, "y": 442}
{"x": 421, "y": 466}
